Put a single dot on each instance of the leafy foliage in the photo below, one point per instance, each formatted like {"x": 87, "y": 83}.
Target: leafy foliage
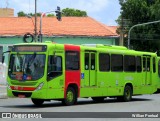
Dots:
{"x": 50, "y": 15}
{"x": 73, "y": 12}
{"x": 21, "y": 14}
{"x": 145, "y": 38}
{"x": 65, "y": 12}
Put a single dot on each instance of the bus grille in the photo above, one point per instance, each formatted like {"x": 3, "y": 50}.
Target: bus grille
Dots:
{"x": 26, "y": 94}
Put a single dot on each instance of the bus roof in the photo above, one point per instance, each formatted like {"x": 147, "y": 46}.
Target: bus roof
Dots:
{"x": 96, "y": 47}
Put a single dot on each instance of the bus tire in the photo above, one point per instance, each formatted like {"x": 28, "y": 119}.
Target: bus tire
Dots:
{"x": 37, "y": 102}
{"x": 127, "y": 95}
{"x": 98, "y": 99}
{"x": 71, "y": 97}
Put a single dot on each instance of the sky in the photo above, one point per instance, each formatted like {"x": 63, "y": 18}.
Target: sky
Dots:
{"x": 104, "y": 11}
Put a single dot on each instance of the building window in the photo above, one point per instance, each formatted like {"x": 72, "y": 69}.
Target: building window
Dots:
{"x": 116, "y": 62}
{"x": 129, "y": 63}
{"x": 72, "y": 60}
{"x": 104, "y": 62}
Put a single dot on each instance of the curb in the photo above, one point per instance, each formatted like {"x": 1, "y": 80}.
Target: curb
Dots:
{"x": 3, "y": 96}
{"x": 3, "y": 86}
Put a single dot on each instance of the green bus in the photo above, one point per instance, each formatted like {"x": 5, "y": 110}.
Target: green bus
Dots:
{"x": 50, "y": 71}
{"x": 158, "y": 62}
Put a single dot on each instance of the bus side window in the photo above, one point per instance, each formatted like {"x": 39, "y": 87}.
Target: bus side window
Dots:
{"x": 86, "y": 61}
{"x": 148, "y": 64}
{"x": 144, "y": 64}
{"x": 54, "y": 66}
{"x": 139, "y": 64}
{"x": 92, "y": 61}
{"x": 72, "y": 60}
{"x": 116, "y": 63}
{"x": 129, "y": 63}
{"x": 104, "y": 62}
{"x": 154, "y": 65}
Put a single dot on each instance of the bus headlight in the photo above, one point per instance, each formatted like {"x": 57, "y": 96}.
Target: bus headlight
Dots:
{"x": 39, "y": 86}
{"x": 8, "y": 87}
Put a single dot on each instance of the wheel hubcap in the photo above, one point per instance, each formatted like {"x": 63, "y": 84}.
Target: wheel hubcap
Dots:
{"x": 69, "y": 96}
{"x": 127, "y": 94}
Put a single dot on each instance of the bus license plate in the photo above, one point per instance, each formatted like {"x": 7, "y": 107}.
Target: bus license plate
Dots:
{"x": 21, "y": 96}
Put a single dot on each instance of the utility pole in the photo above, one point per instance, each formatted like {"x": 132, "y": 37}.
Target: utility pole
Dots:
{"x": 121, "y": 31}
{"x": 35, "y": 28}
{"x": 121, "y": 2}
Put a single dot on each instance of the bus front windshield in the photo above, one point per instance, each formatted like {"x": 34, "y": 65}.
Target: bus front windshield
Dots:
{"x": 26, "y": 66}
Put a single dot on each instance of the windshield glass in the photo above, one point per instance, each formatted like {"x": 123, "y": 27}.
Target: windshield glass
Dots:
{"x": 27, "y": 66}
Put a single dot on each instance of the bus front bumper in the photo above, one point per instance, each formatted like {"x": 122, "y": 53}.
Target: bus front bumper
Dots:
{"x": 38, "y": 94}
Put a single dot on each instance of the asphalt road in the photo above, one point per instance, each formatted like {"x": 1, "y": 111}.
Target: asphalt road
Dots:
{"x": 143, "y": 103}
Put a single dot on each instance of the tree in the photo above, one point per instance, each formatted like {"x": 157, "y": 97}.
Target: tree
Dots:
{"x": 50, "y": 15}
{"x": 21, "y": 14}
{"x": 32, "y": 14}
{"x": 65, "y": 12}
{"x": 73, "y": 12}
{"x": 141, "y": 11}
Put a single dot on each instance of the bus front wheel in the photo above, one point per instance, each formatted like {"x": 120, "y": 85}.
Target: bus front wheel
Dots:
{"x": 38, "y": 102}
{"x": 71, "y": 97}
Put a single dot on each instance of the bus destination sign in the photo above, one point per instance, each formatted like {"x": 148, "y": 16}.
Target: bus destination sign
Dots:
{"x": 29, "y": 48}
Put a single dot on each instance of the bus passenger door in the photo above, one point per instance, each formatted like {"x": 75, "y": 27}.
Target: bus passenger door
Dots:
{"x": 55, "y": 76}
{"x": 90, "y": 69}
{"x": 147, "y": 70}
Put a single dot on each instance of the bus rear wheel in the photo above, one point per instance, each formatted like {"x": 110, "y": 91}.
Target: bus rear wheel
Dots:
{"x": 71, "y": 97}
{"x": 127, "y": 95}
{"x": 37, "y": 102}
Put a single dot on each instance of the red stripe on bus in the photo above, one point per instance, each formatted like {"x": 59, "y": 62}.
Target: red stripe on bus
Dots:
{"x": 22, "y": 88}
